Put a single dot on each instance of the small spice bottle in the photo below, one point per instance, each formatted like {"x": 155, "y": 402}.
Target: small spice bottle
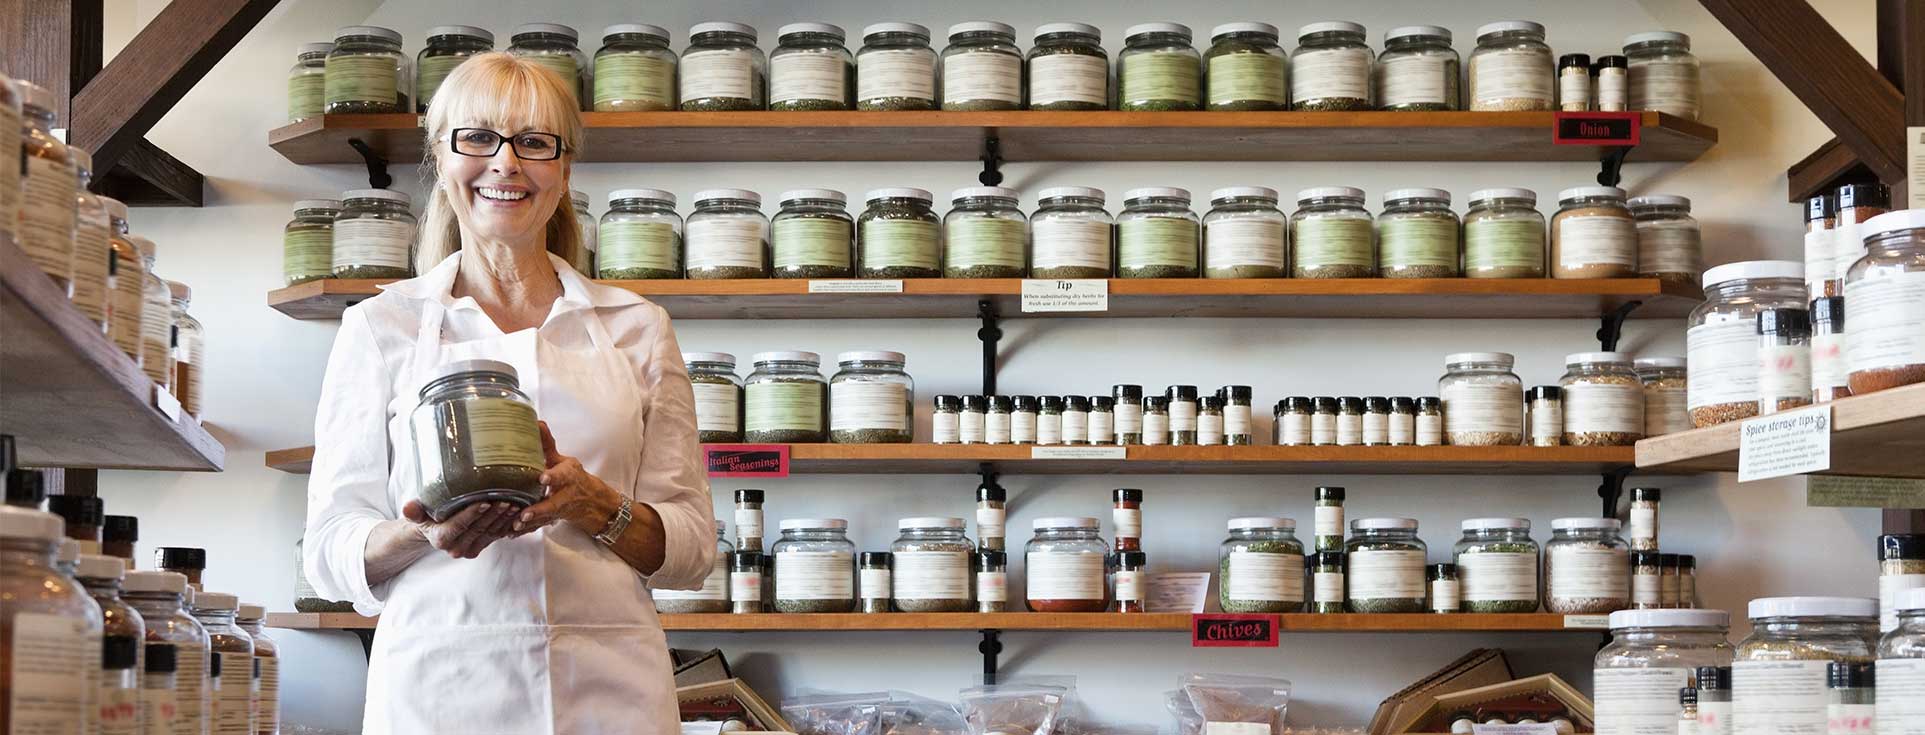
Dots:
{"x": 306, "y": 82}
{"x": 1075, "y": 419}
{"x": 1586, "y": 567}
{"x": 1687, "y": 582}
{"x": 231, "y": 662}
{"x": 373, "y": 235}
{"x": 364, "y": 72}
{"x": 992, "y": 515}
{"x": 1687, "y": 711}
{"x": 1244, "y": 68}
{"x": 553, "y": 46}
{"x": 1183, "y": 406}
{"x": 1667, "y": 406}
{"x": 1603, "y": 400}
{"x": 1262, "y": 567}
{"x": 1885, "y": 351}
{"x": 1574, "y": 83}
{"x": 307, "y": 243}
{"x": 813, "y": 235}
{"x": 1157, "y": 234}
{"x": 896, "y": 68}
{"x": 1851, "y": 701}
{"x": 898, "y": 236}
{"x": 1417, "y": 235}
{"x": 1663, "y": 73}
{"x": 1593, "y": 234}
{"x": 814, "y": 566}
{"x": 1668, "y": 580}
{"x": 1901, "y": 567}
{"x": 1430, "y": 421}
{"x": 1546, "y": 403}
{"x": 945, "y": 422}
{"x": 1714, "y": 700}
{"x": 1049, "y": 420}
{"x": 1857, "y": 205}
{"x": 1128, "y": 402}
{"x": 786, "y": 399}
{"x": 718, "y": 396}
{"x": 1293, "y": 420}
{"x": 745, "y": 582}
{"x": 1329, "y": 518}
{"x": 1647, "y": 581}
{"x": 1243, "y": 234}
{"x": 748, "y": 520}
{"x": 996, "y": 423}
{"x": 1376, "y": 426}
{"x": 722, "y": 69}
{"x": 186, "y": 561}
{"x": 1418, "y": 70}
{"x": 810, "y": 69}
{"x": 1441, "y": 579}
{"x": 1612, "y": 82}
{"x": 1498, "y": 563}
{"x": 1328, "y": 589}
{"x": 871, "y": 399}
{"x": 1670, "y": 247}
{"x": 982, "y": 68}
{"x": 1512, "y": 67}
{"x": 1065, "y": 560}
{"x": 1323, "y": 421}
{"x": 1820, "y": 249}
{"x": 1102, "y": 421}
{"x": 1784, "y": 360}
{"x": 984, "y": 235}
{"x": 1503, "y": 235}
{"x": 1022, "y": 419}
{"x": 117, "y": 537}
{"x": 1068, "y": 69}
{"x": 1130, "y": 582}
{"x": 634, "y": 69}
{"x": 1126, "y": 513}
{"x": 1483, "y": 400}
{"x": 1386, "y": 566}
{"x": 1209, "y": 421}
{"x": 1403, "y": 421}
{"x": 931, "y": 559}
{"x": 1331, "y": 234}
{"x": 727, "y": 236}
{"x": 84, "y": 515}
{"x": 972, "y": 421}
{"x": 1158, "y": 69}
{"x": 1330, "y": 68}
{"x": 1235, "y": 400}
{"x": 1156, "y": 420}
{"x": 1830, "y": 379}
{"x": 992, "y": 581}
{"x": 447, "y": 48}
{"x": 1069, "y": 234}
{"x": 640, "y": 236}
{"x": 1644, "y": 518}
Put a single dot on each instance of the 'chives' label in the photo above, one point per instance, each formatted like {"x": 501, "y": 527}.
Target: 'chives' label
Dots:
{"x": 1503, "y": 244}
{"x": 1324, "y": 241}
{"x": 1240, "y": 77}
{"x": 784, "y": 407}
{"x": 1409, "y": 241}
{"x": 1160, "y": 75}
{"x": 361, "y": 78}
{"x": 979, "y": 241}
{"x": 621, "y": 77}
{"x": 1157, "y": 241}
{"x": 638, "y": 245}
{"x": 807, "y": 241}
{"x": 900, "y": 243}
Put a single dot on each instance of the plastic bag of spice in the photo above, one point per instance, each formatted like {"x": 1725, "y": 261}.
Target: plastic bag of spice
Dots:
{"x": 1186, "y": 721}
{"x": 836, "y": 714}
{"x": 1233, "y": 704}
{"x": 1012, "y": 709}
{"x": 909, "y": 714}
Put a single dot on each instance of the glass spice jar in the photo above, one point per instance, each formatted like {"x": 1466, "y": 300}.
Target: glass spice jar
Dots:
{"x": 1157, "y": 234}
{"x": 982, "y": 69}
{"x": 306, "y": 82}
{"x": 784, "y": 399}
{"x": 895, "y": 68}
{"x": 12, "y": 98}
{"x": 1237, "y": 430}
{"x": 1386, "y": 566}
{"x": 1022, "y": 419}
{"x": 374, "y": 235}
{"x": 52, "y": 627}
{"x": 932, "y": 565}
{"x": 1503, "y": 235}
{"x": 1857, "y": 205}
{"x": 727, "y": 236}
{"x": 190, "y": 348}
{"x": 307, "y": 243}
{"x": 1512, "y": 68}
{"x": 1069, "y": 234}
{"x": 1546, "y": 412}
{"x": 476, "y": 438}
{"x": 1065, "y": 564}
{"x": 1612, "y": 82}
{"x": 1183, "y": 408}
{"x": 898, "y": 236}
{"x": 1445, "y": 591}
{"x": 972, "y": 426}
{"x": 1158, "y": 70}
{"x": 1587, "y": 567}
{"x": 1670, "y": 247}
{"x": 1156, "y": 420}
{"x": 1328, "y": 588}
{"x": 1666, "y": 394}
{"x": 1049, "y": 420}
{"x": 364, "y": 72}
{"x": 1722, "y": 339}
{"x": 1830, "y": 378}
{"x": 1417, "y": 235}
{"x": 1668, "y": 580}
{"x": 945, "y": 421}
{"x": 587, "y": 230}
{"x": 1430, "y": 422}
{"x": 1331, "y": 235}
{"x": 723, "y": 70}
{"x": 1901, "y": 567}
{"x": 1403, "y": 421}
{"x": 267, "y": 669}
{"x": 1784, "y": 360}
{"x": 231, "y": 670}
{"x": 1574, "y": 83}
{"x": 992, "y": 581}
{"x": 1323, "y": 421}
{"x": 1418, "y": 70}
{"x": 1644, "y": 518}
{"x": 745, "y": 582}
{"x": 49, "y": 185}
{"x": 1124, "y": 423}
{"x": 1126, "y": 514}
{"x": 1329, "y": 518}
{"x": 1376, "y": 427}
{"x": 1243, "y": 235}
{"x": 748, "y": 519}
{"x": 996, "y": 423}
{"x": 634, "y": 70}
{"x": 874, "y": 582}
{"x": 640, "y": 236}
{"x": 1483, "y": 400}
{"x": 718, "y": 396}
{"x": 1653, "y": 654}
{"x": 1068, "y": 69}
{"x": 1886, "y": 289}
{"x": 553, "y": 46}
{"x": 713, "y": 597}
{"x": 176, "y": 644}
{"x": 1593, "y": 234}
{"x": 1292, "y": 422}
{"x": 1244, "y": 69}
{"x": 1262, "y": 566}
{"x": 1497, "y": 560}
{"x": 1663, "y": 73}
{"x": 156, "y": 320}
{"x": 1779, "y": 672}
{"x": 1076, "y": 420}
{"x": 1331, "y": 68}
{"x": 1901, "y": 664}
{"x": 992, "y": 515}
{"x": 447, "y": 48}
{"x": 1688, "y": 582}
{"x": 1820, "y": 249}
{"x": 811, "y": 69}
{"x": 1209, "y": 421}
{"x": 984, "y": 235}
{"x": 871, "y": 399}
{"x": 1603, "y": 400}
{"x": 1129, "y": 582}
{"x": 1851, "y": 699}
{"x": 813, "y": 236}
{"x": 815, "y": 567}
{"x": 1647, "y": 580}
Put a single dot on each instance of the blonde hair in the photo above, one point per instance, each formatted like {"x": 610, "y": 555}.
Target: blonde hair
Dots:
{"x": 504, "y": 91}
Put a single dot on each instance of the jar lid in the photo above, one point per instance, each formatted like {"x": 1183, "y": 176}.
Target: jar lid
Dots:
{"x": 1126, "y": 495}
{"x": 1057, "y": 192}
{"x": 722, "y": 357}
{"x": 1581, "y": 61}
{"x": 382, "y": 194}
{"x": 874, "y": 559}
{"x": 911, "y": 28}
{"x": 1076, "y": 403}
{"x": 1063, "y": 522}
{"x": 549, "y": 28}
{"x": 1650, "y": 36}
{"x": 69, "y": 551}
{"x": 1754, "y": 269}
{"x": 150, "y": 581}
{"x": 793, "y": 356}
{"x": 1384, "y": 524}
{"x": 436, "y": 31}
{"x": 1912, "y": 599}
{"x": 1402, "y": 404}
{"x": 1813, "y": 607}
{"x": 1473, "y": 524}
{"x": 974, "y": 402}
{"x": 1321, "y": 192}
{"x": 1577, "y": 192}
{"x": 1416, "y": 193}
{"x": 1543, "y": 392}
{"x": 298, "y": 204}
{"x": 748, "y": 495}
{"x": 1588, "y": 524}
{"x": 100, "y": 566}
{"x": 1605, "y": 357}
{"x": 1158, "y": 192}
{"x": 656, "y": 194}
{"x": 721, "y": 27}
{"x": 387, "y": 34}
{"x": 1829, "y": 310}
{"x": 459, "y": 367}
{"x": 120, "y": 528}
{"x": 323, "y": 47}
{"x": 792, "y": 524}
{"x": 900, "y": 192}
{"x": 1330, "y": 26}
{"x": 1235, "y": 192}
{"x": 118, "y": 210}
{"x": 1239, "y": 524}
{"x": 991, "y": 493}
{"x": 720, "y": 526}
{"x": 1101, "y": 403}
{"x": 1901, "y": 546}
{"x": 948, "y": 402}
{"x": 144, "y": 245}
{"x": 1459, "y": 358}
{"x": 578, "y": 197}
{"x": 1668, "y": 560}
{"x": 78, "y": 510}
{"x": 1324, "y": 404}
{"x": 1083, "y": 28}
{"x": 1659, "y": 363}
{"x": 1180, "y": 392}
{"x": 981, "y": 26}
{"x": 1050, "y": 402}
{"x": 1503, "y": 193}
{"x": 1506, "y": 26}
{"x": 1786, "y": 323}
{"x": 1611, "y": 62}
{"x": 204, "y": 600}
{"x": 1327, "y": 492}
{"x": 1132, "y": 559}
{"x": 1820, "y": 206}
{"x": 1903, "y": 219}
{"x": 1148, "y": 28}
{"x": 794, "y": 28}
{"x": 1244, "y": 27}
{"x": 798, "y": 194}
{"x": 1872, "y": 194}
{"x": 251, "y": 611}
{"x": 1670, "y": 619}
{"x": 636, "y": 28}
{"x": 1658, "y": 200}
{"x": 29, "y": 524}
{"x": 1429, "y": 403}
{"x": 983, "y": 191}
{"x": 929, "y": 522}
{"x": 712, "y": 194}
{"x": 870, "y": 356}
{"x": 1376, "y": 404}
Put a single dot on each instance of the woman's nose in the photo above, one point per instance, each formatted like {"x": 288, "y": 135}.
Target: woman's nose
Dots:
{"x": 505, "y": 160}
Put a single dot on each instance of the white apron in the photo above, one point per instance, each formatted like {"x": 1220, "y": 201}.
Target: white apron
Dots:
{"x": 546, "y": 634}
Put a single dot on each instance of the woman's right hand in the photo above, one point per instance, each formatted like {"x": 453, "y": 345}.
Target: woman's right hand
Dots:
{"x": 468, "y": 532}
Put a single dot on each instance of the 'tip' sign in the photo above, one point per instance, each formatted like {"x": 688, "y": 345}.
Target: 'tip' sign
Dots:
{"x": 1217, "y": 630}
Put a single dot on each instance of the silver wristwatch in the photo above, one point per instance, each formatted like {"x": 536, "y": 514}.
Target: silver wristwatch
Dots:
{"x": 616, "y": 525}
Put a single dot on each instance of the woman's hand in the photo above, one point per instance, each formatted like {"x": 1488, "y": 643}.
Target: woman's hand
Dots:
{"x": 465, "y": 534}
{"x": 574, "y": 495}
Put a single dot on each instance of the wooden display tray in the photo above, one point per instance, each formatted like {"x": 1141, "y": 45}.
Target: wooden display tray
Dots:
{"x": 1019, "y": 621}
{"x": 1876, "y": 435}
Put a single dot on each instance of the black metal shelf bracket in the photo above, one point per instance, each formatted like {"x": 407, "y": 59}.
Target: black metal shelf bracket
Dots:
{"x": 1611, "y": 490}
{"x": 1611, "y": 326}
{"x": 990, "y": 334}
{"x": 991, "y": 647}
{"x": 377, "y": 166}
{"x": 1611, "y": 169}
{"x": 992, "y": 158}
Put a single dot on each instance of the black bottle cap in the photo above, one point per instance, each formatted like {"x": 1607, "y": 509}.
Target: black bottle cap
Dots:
{"x": 1822, "y": 206}
{"x": 1076, "y": 403}
{"x": 875, "y": 559}
{"x": 121, "y": 528}
{"x": 1543, "y": 392}
{"x": 1687, "y": 696}
{"x": 975, "y": 403}
{"x": 1786, "y": 323}
{"x": 1668, "y": 560}
{"x": 1323, "y": 404}
{"x": 1829, "y": 310}
{"x": 160, "y": 658}
{"x": 1159, "y": 403}
{"x": 1133, "y": 559}
{"x": 1864, "y": 195}
{"x": 1127, "y": 495}
{"x": 1049, "y": 403}
{"x": 1901, "y": 546}
{"x": 1025, "y": 404}
{"x": 766, "y": 562}
{"x": 1429, "y": 403}
{"x": 1646, "y": 493}
{"x": 1327, "y": 559}
{"x": 1329, "y": 492}
{"x": 119, "y": 652}
{"x": 1126, "y": 392}
{"x": 949, "y": 403}
{"x": 1444, "y": 570}
{"x": 7, "y": 461}
{"x": 1298, "y": 404}
{"x": 25, "y": 488}
{"x": 1377, "y": 404}
{"x": 1350, "y": 404}
{"x": 1687, "y": 561}
{"x": 79, "y": 510}
{"x": 180, "y": 557}
{"x": 1215, "y": 402}
{"x": 1644, "y": 558}
{"x": 1610, "y": 62}
{"x": 1238, "y": 393}
{"x": 1102, "y": 403}
{"x": 999, "y": 403}
{"x": 991, "y": 493}
{"x": 987, "y": 558}
{"x": 1714, "y": 678}
{"x": 1180, "y": 393}
{"x": 1849, "y": 675}
{"x": 745, "y": 560}
{"x": 1577, "y": 60}
{"x": 748, "y": 496}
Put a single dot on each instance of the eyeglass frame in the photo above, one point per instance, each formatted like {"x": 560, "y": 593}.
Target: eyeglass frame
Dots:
{"x": 561, "y": 146}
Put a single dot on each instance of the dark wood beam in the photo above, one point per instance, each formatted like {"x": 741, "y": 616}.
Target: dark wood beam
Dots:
{"x": 1827, "y": 168}
{"x": 37, "y": 40}
{"x": 1899, "y": 520}
{"x": 147, "y": 177}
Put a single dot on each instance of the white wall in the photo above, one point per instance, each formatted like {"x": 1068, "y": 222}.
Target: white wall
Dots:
{"x": 265, "y": 369}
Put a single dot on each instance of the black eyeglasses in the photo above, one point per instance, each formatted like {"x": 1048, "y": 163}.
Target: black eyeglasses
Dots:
{"x": 485, "y": 143}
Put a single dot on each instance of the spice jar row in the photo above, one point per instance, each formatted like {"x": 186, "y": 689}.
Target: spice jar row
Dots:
{"x": 895, "y": 67}
{"x": 1178, "y": 417}
{"x": 370, "y": 233}
{"x": 870, "y": 400}
{"x": 1603, "y": 399}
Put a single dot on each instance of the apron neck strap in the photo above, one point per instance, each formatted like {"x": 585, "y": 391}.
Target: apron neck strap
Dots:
{"x": 427, "y": 343}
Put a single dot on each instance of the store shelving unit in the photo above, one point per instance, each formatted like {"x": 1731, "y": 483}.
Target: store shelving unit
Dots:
{"x": 1877, "y": 435}
{"x": 1033, "y": 621}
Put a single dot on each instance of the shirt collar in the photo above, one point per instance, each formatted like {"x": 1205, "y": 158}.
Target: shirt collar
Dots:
{"x": 577, "y": 292}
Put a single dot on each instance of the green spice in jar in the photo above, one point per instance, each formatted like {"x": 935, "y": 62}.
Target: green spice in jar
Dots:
{"x": 476, "y": 438}
{"x": 1262, "y": 566}
{"x": 1330, "y": 70}
{"x": 898, "y": 236}
{"x": 1497, "y": 561}
{"x": 786, "y": 400}
{"x": 1418, "y": 70}
{"x": 1068, "y": 69}
{"x": 640, "y": 236}
{"x": 718, "y": 396}
{"x": 448, "y": 47}
{"x": 552, "y": 47}
{"x": 1417, "y": 235}
{"x": 307, "y": 82}
{"x": 363, "y": 72}
{"x": 307, "y": 244}
{"x": 1503, "y": 235}
{"x": 634, "y": 70}
{"x": 727, "y": 236}
{"x": 374, "y": 235}
{"x": 1070, "y": 234}
{"x": 1244, "y": 68}
{"x": 1386, "y": 566}
{"x": 1159, "y": 70}
{"x": 1157, "y": 234}
{"x": 896, "y": 68}
{"x": 984, "y": 235}
{"x": 1332, "y": 235}
{"x": 810, "y": 69}
{"x": 723, "y": 70}
{"x": 813, "y": 236}
{"x": 1243, "y": 235}
{"x": 981, "y": 68}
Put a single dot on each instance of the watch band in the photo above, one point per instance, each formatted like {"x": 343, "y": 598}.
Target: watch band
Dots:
{"x": 616, "y": 525}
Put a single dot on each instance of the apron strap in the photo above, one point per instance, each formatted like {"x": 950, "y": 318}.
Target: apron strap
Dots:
{"x": 427, "y": 343}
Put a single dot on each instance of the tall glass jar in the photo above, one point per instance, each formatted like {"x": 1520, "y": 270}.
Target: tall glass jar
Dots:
{"x": 49, "y": 185}
{"x": 1418, "y": 70}
{"x": 1262, "y": 567}
{"x": 1070, "y": 234}
{"x": 1587, "y": 567}
{"x": 640, "y": 236}
{"x": 1503, "y": 235}
{"x": 1664, "y": 74}
{"x": 718, "y": 396}
{"x": 932, "y": 565}
{"x": 1065, "y": 565}
{"x": 1574, "y": 83}
{"x": 172, "y": 635}
{"x": 786, "y": 399}
{"x": 1653, "y": 654}
{"x": 1593, "y": 234}
{"x": 307, "y": 243}
{"x": 52, "y": 627}
{"x": 477, "y": 439}
{"x": 634, "y": 69}
{"x": 898, "y": 236}
{"x": 93, "y": 248}
{"x": 1158, "y": 69}
{"x": 1603, "y": 400}
{"x": 1243, "y": 235}
{"x": 727, "y": 236}
{"x": 1885, "y": 289}
{"x": 1722, "y": 339}
{"x": 1830, "y": 375}
{"x": 815, "y": 567}
{"x": 813, "y": 235}
{"x": 1331, "y": 68}
{"x": 267, "y": 659}
{"x": 190, "y": 348}
{"x": 364, "y": 72}
{"x": 811, "y": 69}
{"x": 1156, "y": 234}
{"x": 723, "y": 70}
{"x": 1667, "y": 406}
{"x": 1417, "y": 235}
{"x": 447, "y": 47}
{"x": 1068, "y": 69}
{"x": 1779, "y": 673}
{"x": 374, "y": 235}
{"x": 1483, "y": 399}
{"x": 981, "y": 68}
{"x": 713, "y": 597}
{"x": 307, "y": 81}
{"x": 156, "y": 319}
{"x": 1670, "y": 248}
{"x": 1498, "y": 562}
{"x": 1901, "y": 664}
{"x": 1244, "y": 68}
{"x": 1386, "y": 566}
{"x": 123, "y": 318}
{"x": 1512, "y": 68}
{"x": 985, "y": 235}
{"x": 1784, "y": 360}
{"x": 231, "y": 711}
{"x": 553, "y": 47}
{"x": 895, "y": 69}
{"x": 1331, "y": 234}
{"x": 871, "y": 400}
{"x": 584, "y": 260}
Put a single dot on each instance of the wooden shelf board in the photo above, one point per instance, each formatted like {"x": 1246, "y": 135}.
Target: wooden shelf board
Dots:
{"x": 1029, "y": 136}
{"x": 73, "y": 399}
{"x": 1875, "y": 435}
{"x": 1021, "y": 621}
{"x": 1453, "y": 298}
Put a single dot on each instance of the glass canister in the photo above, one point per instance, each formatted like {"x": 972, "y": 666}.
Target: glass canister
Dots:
{"x": 727, "y": 236}
{"x": 1603, "y": 400}
{"x": 1512, "y": 68}
{"x": 52, "y": 627}
{"x": 1666, "y": 394}
{"x": 786, "y": 399}
{"x": 1497, "y": 560}
{"x": 896, "y": 68}
{"x": 1244, "y": 68}
{"x": 722, "y": 70}
{"x": 1068, "y": 68}
{"x": 718, "y": 396}
{"x": 307, "y": 243}
{"x": 1593, "y": 234}
{"x": 1386, "y": 566}
{"x": 1670, "y": 247}
{"x": 476, "y": 438}
{"x": 1157, "y": 234}
{"x": 898, "y": 236}
{"x": 364, "y": 72}
{"x": 985, "y": 235}
{"x": 190, "y": 348}
{"x": 374, "y": 235}
{"x": 1664, "y": 74}
{"x": 447, "y": 47}
{"x": 1331, "y": 68}
{"x": 1262, "y": 567}
{"x": 871, "y": 399}
{"x": 1587, "y": 567}
{"x": 1331, "y": 234}
{"x": 48, "y": 186}
{"x": 981, "y": 68}
{"x": 1885, "y": 347}
{"x": 813, "y": 235}
{"x": 1065, "y": 565}
{"x": 1857, "y": 205}
{"x": 713, "y": 597}
{"x": 1780, "y": 671}
{"x": 1722, "y": 340}
{"x": 1070, "y": 234}
{"x": 1653, "y": 654}
{"x": 1503, "y": 235}
{"x": 584, "y": 260}
{"x": 156, "y": 320}
{"x": 129, "y": 282}
{"x": 1417, "y": 235}
{"x": 307, "y": 81}
{"x": 1483, "y": 400}
{"x": 1901, "y": 666}
{"x": 1158, "y": 69}
{"x": 811, "y": 69}
{"x": 815, "y": 569}
{"x": 640, "y": 236}
{"x": 267, "y": 662}
{"x": 1418, "y": 70}
{"x": 1243, "y": 235}
{"x": 553, "y": 47}
{"x": 634, "y": 69}
{"x": 932, "y": 566}
{"x": 173, "y": 636}
{"x": 93, "y": 246}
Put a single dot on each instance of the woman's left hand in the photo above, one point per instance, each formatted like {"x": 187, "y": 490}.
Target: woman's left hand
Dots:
{"x": 574, "y": 495}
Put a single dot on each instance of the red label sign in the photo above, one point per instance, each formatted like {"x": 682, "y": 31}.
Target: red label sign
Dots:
{"x": 1597, "y": 128}
{"x": 1220, "y": 630}
{"x": 747, "y": 460}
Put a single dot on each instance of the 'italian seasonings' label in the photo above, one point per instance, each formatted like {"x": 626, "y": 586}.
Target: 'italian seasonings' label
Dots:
{"x": 1264, "y": 577}
{"x": 1640, "y": 701}
{"x": 891, "y": 73}
{"x": 634, "y": 77}
{"x": 48, "y": 690}
{"x": 429, "y": 72}
{"x": 1159, "y": 76}
{"x": 1331, "y": 73}
{"x": 1062, "y": 242}
{"x": 807, "y": 76}
{"x": 48, "y": 214}
{"x": 638, "y": 245}
{"x": 1156, "y": 241}
{"x": 1491, "y": 244}
{"x": 896, "y": 243}
{"x": 307, "y": 253}
{"x": 856, "y": 406}
{"x": 1326, "y": 241}
{"x": 1413, "y": 79}
{"x": 784, "y": 406}
{"x": 1236, "y": 242}
{"x": 727, "y": 73}
{"x": 717, "y": 407}
{"x": 1069, "y": 78}
{"x": 985, "y": 241}
{"x": 368, "y": 241}
{"x": 814, "y": 575}
{"x": 982, "y": 75}
{"x": 1415, "y": 241}
{"x": 725, "y": 243}
{"x": 361, "y": 78}
{"x": 1245, "y": 77}
{"x": 1887, "y": 324}
{"x": 306, "y": 96}
{"x": 811, "y": 241}
{"x": 503, "y": 432}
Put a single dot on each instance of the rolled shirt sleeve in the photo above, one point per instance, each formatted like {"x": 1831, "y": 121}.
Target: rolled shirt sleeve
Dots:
{"x": 673, "y": 479}
{"x": 348, "y": 486}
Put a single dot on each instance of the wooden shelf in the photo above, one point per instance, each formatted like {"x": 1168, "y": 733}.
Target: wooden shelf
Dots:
{"x": 931, "y": 459}
{"x": 73, "y": 399}
{"x": 1451, "y": 298}
{"x": 1876, "y": 435}
{"x": 1030, "y": 136}
{"x": 1157, "y": 622}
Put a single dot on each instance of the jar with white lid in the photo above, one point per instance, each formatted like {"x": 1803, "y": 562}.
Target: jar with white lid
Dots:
{"x": 447, "y": 48}
{"x": 1885, "y": 344}
{"x": 982, "y": 69}
{"x": 1653, "y": 654}
{"x": 1603, "y": 400}
{"x": 1664, "y": 73}
{"x": 586, "y": 228}
{"x": 52, "y": 627}
{"x": 1065, "y": 565}
{"x": 932, "y": 566}
{"x": 1417, "y": 235}
{"x": 713, "y": 597}
{"x": 1158, "y": 70}
{"x": 1069, "y": 234}
{"x": 1722, "y": 339}
{"x": 813, "y": 235}
{"x": 1503, "y": 235}
{"x": 172, "y": 635}
{"x": 1157, "y": 234}
{"x": 1666, "y": 394}
{"x": 1331, "y": 235}
{"x": 1593, "y": 234}
{"x": 47, "y": 188}
{"x": 554, "y": 47}
{"x": 785, "y": 399}
{"x": 232, "y": 710}
{"x": 1418, "y": 70}
{"x": 640, "y": 236}
{"x": 1244, "y": 69}
{"x": 895, "y": 68}
{"x": 306, "y": 85}
{"x": 1670, "y": 247}
{"x": 1330, "y": 69}
{"x": 871, "y": 399}
{"x": 723, "y": 69}
{"x": 1497, "y": 562}
{"x": 1243, "y": 235}
{"x": 1587, "y": 567}
{"x": 365, "y": 72}
{"x": 634, "y": 69}
{"x": 1262, "y": 567}
{"x": 985, "y": 235}
{"x": 1780, "y": 672}
{"x": 1386, "y": 566}
{"x": 898, "y": 236}
{"x": 374, "y": 235}
{"x": 1483, "y": 400}
{"x": 810, "y": 69}
{"x": 1068, "y": 69}
{"x": 815, "y": 566}
{"x": 727, "y": 236}
{"x": 1901, "y": 665}
{"x": 1512, "y": 68}
{"x": 718, "y": 396}
{"x": 307, "y": 243}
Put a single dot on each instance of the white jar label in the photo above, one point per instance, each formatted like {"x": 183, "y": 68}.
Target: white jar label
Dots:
{"x": 1887, "y": 324}
{"x": 1386, "y": 575}
{"x": 814, "y": 575}
{"x": 1901, "y": 696}
{"x": 1416, "y": 241}
{"x": 807, "y": 241}
{"x": 1102, "y": 427}
{"x": 807, "y": 76}
{"x": 1778, "y": 697}
{"x": 1075, "y": 426}
{"x": 1611, "y": 90}
{"x": 1329, "y": 586}
{"x": 982, "y": 75}
{"x": 1498, "y": 576}
{"x": 1323, "y": 428}
{"x": 725, "y": 73}
{"x": 1236, "y": 420}
{"x": 305, "y": 253}
{"x": 900, "y": 243}
{"x": 896, "y": 73}
{"x": 1714, "y": 718}
{"x": 1596, "y": 240}
{"x": 1644, "y": 522}
{"x": 1666, "y": 410}
{"x": 1294, "y": 429}
{"x": 726, "y": 243}
{"x": 1265, "y": 577}
{"x": 1183, "y": 415}
{"x": 1403, "y": 429}
{"x": 1129, "y": 418}
{"x": 1638, "y": 701}
{"x": 1581, "y": 572}
{"x": 1327, "y": 241}
{"x": 1890, "y": 586}
{"x": 1784, "y": 371}
{"x": 1574, "y": 90}
{"x": 973, "y": 427}
{"x": 624, "y": 245}
{"x": 1497, "y": 76}
{"x": 1156, "y": 241}
{"x": 992, "y": 586}
{"x": 1850, "y": 719}
{"x": 784, "y": 407}
{"x": 1243, "y": 242}
{"x": 501, "y": 432}
{"x": 1069, "y": 78}
{"x": 1847, "y": 247}
{"x": 748, "y": 523}
{"x": 1209, "y": 429}
{"x": 996, "y": 428}
{"x": 231, "y": 709}
{"x": 1064, "y": 576}
{"x": 984, "y": 241}
{"x": 945, "y": 428}
{"x": 874, "y": 584}
{"x": 1820, "y": 257}
{"x": 1327, "y": 73}
{"x": 932, "y": 575}
{"x": 1593, "y": 407}
{"x": 1668, "y": 86}
{"x": 1473, "y": 407}
{"x": 619, "y": 77}
{"x": 1156, "y": 428}
{"x": 1670, "y": 246}
{"x": 1724, "y": 362}
{"x": 1129, "y": 522}
{"x": 1547, "y": 423}
{"x": 192, "y": 695}
{"x": 1430, "y": 431}
{"x": 1330, "y": 520}
{"x": 1828, "y": 366}
{"x": 1350, "y": 429}
{"x": 989, "y": 522}
{"x": 1376, "y": 429}
{"x": 1129, "y": 586}
{"x": 48, "y": 691}
{"x": 745, "y": 586}
{"x": 270, "y": 710}
{"x": 1022, "y": 427}
{"x": 377, "y": 242}
{"x": 1444, "y": 596}
{"x": 1243, "y": 77}
{"x": 854, "y": 406}
{"x": 1413, "y": 79}
{"x": 1049, "y": 429}
{"x": 715, "y": 586}
{"x": 1647, "y": 590}
{"x": 1060, "y": 242}
{"x": 717, "y": 407}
